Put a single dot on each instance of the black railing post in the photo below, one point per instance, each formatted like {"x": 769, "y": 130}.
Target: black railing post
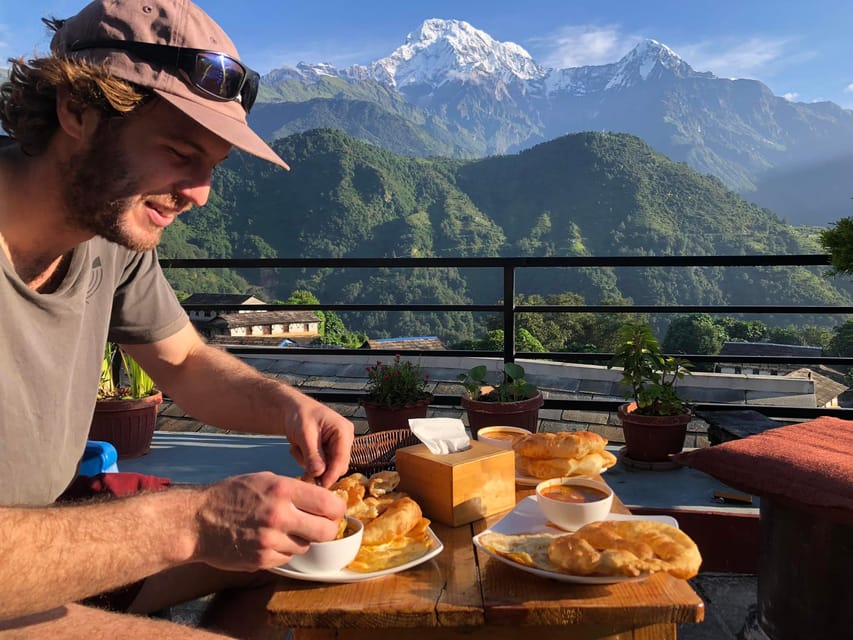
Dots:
{"x": 509, "y": 313}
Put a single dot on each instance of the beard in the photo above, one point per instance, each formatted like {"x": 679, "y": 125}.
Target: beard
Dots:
{"x": 101, "y": 192}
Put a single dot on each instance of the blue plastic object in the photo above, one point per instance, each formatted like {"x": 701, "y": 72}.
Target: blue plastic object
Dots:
{"x": 98, "y": 457}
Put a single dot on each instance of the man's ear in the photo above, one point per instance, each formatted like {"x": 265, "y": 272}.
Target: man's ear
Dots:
{"x": 76, "y": 119}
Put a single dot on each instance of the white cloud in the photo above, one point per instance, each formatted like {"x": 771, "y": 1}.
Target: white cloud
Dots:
{"x": 754, "y": 57}
{"x": 791, "y": 96}
{"x": 577, "y": 46}
{"x": 848, "y": 88}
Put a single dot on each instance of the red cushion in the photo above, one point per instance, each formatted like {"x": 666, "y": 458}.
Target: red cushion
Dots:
{"x": 120, "y": 484}
{"x": 808, "y": 464}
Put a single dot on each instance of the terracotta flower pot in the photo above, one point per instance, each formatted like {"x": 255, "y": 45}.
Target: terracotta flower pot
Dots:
{"x": 652, "y": 438}
{"x": 381, "y": 417}
{"x": 126, "y": 424}
{"x": 523, "y": 413}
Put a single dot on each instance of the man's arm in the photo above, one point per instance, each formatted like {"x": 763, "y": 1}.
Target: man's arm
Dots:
{"x": 56, "y": 555}
{"x": 219, "y": 389}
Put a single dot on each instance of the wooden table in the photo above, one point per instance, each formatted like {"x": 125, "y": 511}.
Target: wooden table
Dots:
{"x": 465, "y": 593}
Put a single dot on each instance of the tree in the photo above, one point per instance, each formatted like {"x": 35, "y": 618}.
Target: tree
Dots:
{"x": 815, "y": 336}
{"x": 842, "y": 340}
{"x": 743, "y": 330}
{"x": 336, "y": 333}
{"x": 573, "y": 331}
{"x": 785, "y": 335}
{"x": 694, "y": 333}
{"x": 525, "y": 341}
{"x": 494, "y": 341}
{"x": 838, "y": 241}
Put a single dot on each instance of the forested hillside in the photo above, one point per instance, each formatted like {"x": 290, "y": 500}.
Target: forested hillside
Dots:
{"x": 583, "y": 194}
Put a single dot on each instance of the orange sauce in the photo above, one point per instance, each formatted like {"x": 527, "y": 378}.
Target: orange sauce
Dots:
{"x": 502, "y": 435}
{"x": 566, "y": 493}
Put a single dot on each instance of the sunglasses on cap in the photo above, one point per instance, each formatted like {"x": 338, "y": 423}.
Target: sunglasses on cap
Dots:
{"x": 216, "y": 75}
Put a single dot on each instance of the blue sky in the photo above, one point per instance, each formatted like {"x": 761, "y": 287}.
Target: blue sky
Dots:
{"x": 801, "y": 49}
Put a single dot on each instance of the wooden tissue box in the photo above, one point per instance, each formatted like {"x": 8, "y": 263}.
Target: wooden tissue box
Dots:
{"x": 458, "y": 488}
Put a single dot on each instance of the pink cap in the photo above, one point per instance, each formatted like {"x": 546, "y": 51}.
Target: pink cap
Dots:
{"x": 176, "y": 23}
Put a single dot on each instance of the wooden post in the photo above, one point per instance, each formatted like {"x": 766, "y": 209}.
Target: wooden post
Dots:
{"x": 806, "y": 561}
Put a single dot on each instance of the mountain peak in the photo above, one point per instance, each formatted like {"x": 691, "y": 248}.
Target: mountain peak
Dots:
{"x": 648, "y": 57}
{"x": 442, "y": 50}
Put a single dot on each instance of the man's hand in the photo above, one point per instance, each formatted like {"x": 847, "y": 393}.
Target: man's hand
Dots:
{"x": 259, "y": 520}
{"x": 320, "y": 440}
{"x": 217, "y": 388}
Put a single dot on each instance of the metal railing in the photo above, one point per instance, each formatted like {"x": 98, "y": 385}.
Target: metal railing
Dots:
{"x": 508, "y": 310}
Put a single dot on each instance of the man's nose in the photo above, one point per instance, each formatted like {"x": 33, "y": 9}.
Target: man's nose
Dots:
{"x": 197, "y": 194}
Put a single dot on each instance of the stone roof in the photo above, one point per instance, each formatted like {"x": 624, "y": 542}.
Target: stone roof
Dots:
{"x": 767, "y": 349}
{"x": 425, "y": 343}
{"x": 825, "y": 389}
{"x": 255, "y": 318}
{"x": 213, "y": 299}
{"x": 254, "y": 341}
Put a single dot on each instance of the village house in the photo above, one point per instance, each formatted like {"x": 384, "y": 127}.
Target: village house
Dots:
{"x": 747, "y": 349}
{"x": 213, "y": 302}
{"x": 250, "y": 326}
{"x": 285, "y": 324}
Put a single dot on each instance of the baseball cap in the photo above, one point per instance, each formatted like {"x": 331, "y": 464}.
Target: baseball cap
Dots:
{"x": 185, "y": 58}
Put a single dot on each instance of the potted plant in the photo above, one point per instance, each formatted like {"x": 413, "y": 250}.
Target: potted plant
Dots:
{"x": 655, "y": 421}
{"x": 512, "y": 402}
{"x": 395, "y": 393}
{"x": 126, "y": 409}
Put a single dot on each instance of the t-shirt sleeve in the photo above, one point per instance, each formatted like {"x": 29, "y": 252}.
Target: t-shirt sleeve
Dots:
{"x": 145, "y": 308}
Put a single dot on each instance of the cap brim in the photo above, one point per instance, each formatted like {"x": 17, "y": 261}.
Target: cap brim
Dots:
{"x": 229, "y": 129}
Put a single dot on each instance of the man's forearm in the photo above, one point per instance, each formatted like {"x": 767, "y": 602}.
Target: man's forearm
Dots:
{"x": 52, "y": 556}
{"x": 234, "y": 395}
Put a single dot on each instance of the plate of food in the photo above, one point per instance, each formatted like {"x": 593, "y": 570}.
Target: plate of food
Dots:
{"x": 541, "y": 456}
{"x": 348, "y": 575}
{"x": 525, "y": 540}
{"x": 395, "y": 536}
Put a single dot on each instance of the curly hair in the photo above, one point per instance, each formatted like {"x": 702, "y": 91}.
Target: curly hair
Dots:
{"x": 28, "y": 98}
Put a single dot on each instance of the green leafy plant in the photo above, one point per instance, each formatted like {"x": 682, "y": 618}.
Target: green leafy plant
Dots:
{"x": 398, "y": 383}
{"x": 122, "y": 377}
{"x": 512, "y": 388}
{"x": 648, "y": 374}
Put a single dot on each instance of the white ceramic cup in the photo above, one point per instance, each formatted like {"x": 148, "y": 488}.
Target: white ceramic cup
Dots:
{"x": 502, "y": 437}
{"x": 573, "y": 515}
{"x": 331, "y": 556}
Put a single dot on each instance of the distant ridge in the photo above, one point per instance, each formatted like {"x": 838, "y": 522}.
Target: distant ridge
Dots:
{"x": 581, "y": 194}
{"x": 455, "y": 82}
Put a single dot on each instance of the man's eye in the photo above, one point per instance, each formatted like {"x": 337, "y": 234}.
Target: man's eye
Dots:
{"x": 178, "y": 154}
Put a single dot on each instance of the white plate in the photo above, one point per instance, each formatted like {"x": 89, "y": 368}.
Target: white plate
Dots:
{"x": 345, "y": 575}
{"x": 527, "y": 517}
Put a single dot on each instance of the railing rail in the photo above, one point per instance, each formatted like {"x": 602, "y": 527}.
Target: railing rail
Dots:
{"x": 509, "y": 310}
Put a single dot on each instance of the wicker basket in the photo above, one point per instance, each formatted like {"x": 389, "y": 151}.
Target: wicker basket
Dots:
{"x": 375, "y": 451}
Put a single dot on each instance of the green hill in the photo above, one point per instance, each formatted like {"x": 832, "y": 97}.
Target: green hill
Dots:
{"x": 583, "y": 194}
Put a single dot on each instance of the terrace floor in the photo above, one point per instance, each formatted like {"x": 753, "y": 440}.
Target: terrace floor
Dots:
{"x": 188, "y": 451}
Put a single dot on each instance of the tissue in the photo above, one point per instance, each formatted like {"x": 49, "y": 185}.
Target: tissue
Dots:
{"x": 441, "y": 435}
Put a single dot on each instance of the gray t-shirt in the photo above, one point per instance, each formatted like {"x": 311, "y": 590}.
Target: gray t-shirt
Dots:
{"x": 51, "y": 349}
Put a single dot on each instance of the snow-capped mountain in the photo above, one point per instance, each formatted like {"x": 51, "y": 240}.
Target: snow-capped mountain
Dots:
{"x": 454, "y": 51}
{"x": 492, "y": 97}
{"x": 445, "y": 50}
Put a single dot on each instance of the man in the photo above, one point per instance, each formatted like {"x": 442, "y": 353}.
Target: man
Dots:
{"x": 112, "y": 137}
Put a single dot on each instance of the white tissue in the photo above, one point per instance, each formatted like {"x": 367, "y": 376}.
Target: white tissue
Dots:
{"x": 441, "y": 435}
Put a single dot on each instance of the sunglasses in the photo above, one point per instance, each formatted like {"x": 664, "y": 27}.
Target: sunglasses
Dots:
{"x": 216, "y": 75}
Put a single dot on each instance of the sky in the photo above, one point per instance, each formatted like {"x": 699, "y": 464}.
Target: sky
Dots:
{"x": 802, "y": 50}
